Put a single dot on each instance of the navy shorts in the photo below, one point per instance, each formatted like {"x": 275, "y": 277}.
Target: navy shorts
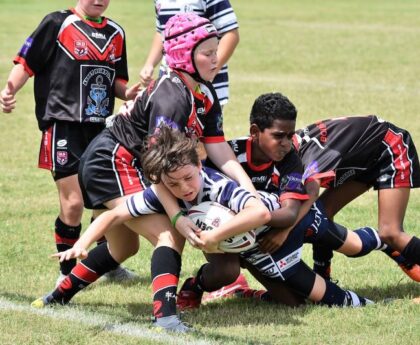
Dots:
{"x": 281, "y": 264}
{"x": 108, "y": 171}
{"x": 62, "y": 145}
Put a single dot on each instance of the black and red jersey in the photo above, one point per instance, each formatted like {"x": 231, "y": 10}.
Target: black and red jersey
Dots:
{"x": 75, "y": 63}
{"x": 168, "y": 101}
{"x": 340, "y": 147}
{"x": 283, "y": 178}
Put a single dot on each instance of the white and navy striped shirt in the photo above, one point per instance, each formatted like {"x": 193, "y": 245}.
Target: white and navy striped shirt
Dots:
{"x": 214, "y": 187}
{"x": 219, "y": 12}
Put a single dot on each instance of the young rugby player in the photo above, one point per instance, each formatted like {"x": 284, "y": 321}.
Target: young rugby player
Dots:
{"x": 111, "y": 168}
{"x": 78, "y": 59}
{"x": 269, "y": 159}
{"x": 348, "y": 156}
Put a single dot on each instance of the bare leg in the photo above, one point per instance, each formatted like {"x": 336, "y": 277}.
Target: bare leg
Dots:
{"x": 392, "y": 204}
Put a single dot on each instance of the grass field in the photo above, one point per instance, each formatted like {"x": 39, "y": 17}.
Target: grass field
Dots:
{"x": 331, "y": 58}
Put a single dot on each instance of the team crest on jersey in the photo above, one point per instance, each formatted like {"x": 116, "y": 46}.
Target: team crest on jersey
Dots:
{"x": 97, "y": 82}
{"x": 80, "y": 48}
{"x": 62, "y": 157}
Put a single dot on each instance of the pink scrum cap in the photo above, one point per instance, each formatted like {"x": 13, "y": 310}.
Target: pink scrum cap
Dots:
{"x": 183, "y": 33}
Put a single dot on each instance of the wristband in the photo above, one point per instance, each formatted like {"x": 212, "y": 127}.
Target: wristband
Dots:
{"x": 175, "y": 218}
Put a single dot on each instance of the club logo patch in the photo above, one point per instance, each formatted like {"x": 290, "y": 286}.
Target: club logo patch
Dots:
{"x": 80, "y": 48}
{"x": 62, "y": 157}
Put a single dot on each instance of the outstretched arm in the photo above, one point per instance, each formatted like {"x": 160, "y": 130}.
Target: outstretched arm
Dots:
{"x": 17, "y": 78}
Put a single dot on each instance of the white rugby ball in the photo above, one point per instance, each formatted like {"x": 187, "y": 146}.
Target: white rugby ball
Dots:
{"x": 209, "y": 215}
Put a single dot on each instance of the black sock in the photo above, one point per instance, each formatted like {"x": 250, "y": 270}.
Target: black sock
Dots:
{"x": 412, "y": 250}
{"x": 65, "y": 237}
{"x": 165, "y": 267}
{"x": 334, "y": 295}
{"x": 98, "y": 262}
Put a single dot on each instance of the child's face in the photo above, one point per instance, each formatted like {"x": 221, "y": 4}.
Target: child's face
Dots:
{"x": 92, "y": 8}
{"x": 275, "y": 142}
{"x": 205, "y": 58}
{"x": 184, "y": 183}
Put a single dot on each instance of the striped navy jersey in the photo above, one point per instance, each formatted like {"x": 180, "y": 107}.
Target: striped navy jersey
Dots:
{"x": 75, "y": 63}
{"x": 168, "y": 101}
{"x": 219, "y": 12}
{"x": 283, "y": 178}
{"x": 340, "y": 146}
{"x": 214, "y": 187}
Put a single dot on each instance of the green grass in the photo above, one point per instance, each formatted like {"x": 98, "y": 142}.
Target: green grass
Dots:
{"x": 330, "y": 58}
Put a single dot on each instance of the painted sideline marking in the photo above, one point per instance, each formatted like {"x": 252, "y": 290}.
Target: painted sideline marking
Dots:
{"x": 105, "y": 322}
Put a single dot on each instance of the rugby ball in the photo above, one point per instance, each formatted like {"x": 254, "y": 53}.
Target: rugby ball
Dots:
{"x": 209, "y": 215}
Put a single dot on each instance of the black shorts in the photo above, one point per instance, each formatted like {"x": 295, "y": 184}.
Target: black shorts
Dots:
{"x": 63, "y": 144}
{"x": 397, "y": 165}
{"x": 108, "y": 171}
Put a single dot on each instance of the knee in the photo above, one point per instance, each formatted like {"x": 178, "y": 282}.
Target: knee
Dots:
{"x": 229, "y": 273}
{"x": 72, "y": 207}
{"x": 389, "y": 233}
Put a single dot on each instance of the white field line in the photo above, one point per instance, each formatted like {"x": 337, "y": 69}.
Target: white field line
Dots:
{"x": 105, "y": 322}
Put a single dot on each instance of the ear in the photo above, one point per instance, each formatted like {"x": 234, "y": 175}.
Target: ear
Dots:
{"x": 254, "y": 131}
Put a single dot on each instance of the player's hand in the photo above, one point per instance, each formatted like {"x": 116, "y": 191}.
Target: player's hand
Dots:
{"x": 209, "y": 244}
{"x": 132, "y": 91}
{"x": 273, "y": 240}
{"x": 72, "y": 253}
{"x": 146, "y": 75}
{"x": 126, "y": 108}
{"x": 189, "y": 230}
{"x": 7, "y": 98}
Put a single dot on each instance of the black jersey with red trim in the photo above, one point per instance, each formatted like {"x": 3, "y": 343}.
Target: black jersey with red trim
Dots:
{"x": 283, "y": 178}
{"x": 168, "y": 101}
{"x": 351, "y": 143}
{"x": 75, "y": 63}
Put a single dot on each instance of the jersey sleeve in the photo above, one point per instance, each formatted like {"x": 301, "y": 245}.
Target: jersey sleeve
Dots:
{"x": 222, "y": 15}
{"x": 121, "y": 66}
{"x": 145, "y": 202}
{"x": 39, "y": 47}
{"x": 233, "y": 196}
{"x": 291, "y": 178}
{"x": 213, "y": 127}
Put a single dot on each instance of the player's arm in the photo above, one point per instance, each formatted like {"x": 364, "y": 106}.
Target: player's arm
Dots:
{"x": 227, "y": 45}
{"x": 126, "y": 93}
{"x": 253, "y": 215}
{"x": 224, "y": 159}
{"x": 155, "y": 55}
{"x": 312, "y": 189}
{"x": 182, "y": 224}
{"x": 95, "y": 231}
{"x": 17, "y": 78}
{"x": 282, "y": 222}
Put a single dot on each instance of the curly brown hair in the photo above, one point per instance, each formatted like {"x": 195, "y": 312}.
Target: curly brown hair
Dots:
{"x": 168, "y": 150}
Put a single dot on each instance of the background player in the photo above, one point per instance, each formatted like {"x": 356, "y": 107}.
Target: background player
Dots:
{"x": 76, "y": 82}
{"x": 220, "y": 14}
